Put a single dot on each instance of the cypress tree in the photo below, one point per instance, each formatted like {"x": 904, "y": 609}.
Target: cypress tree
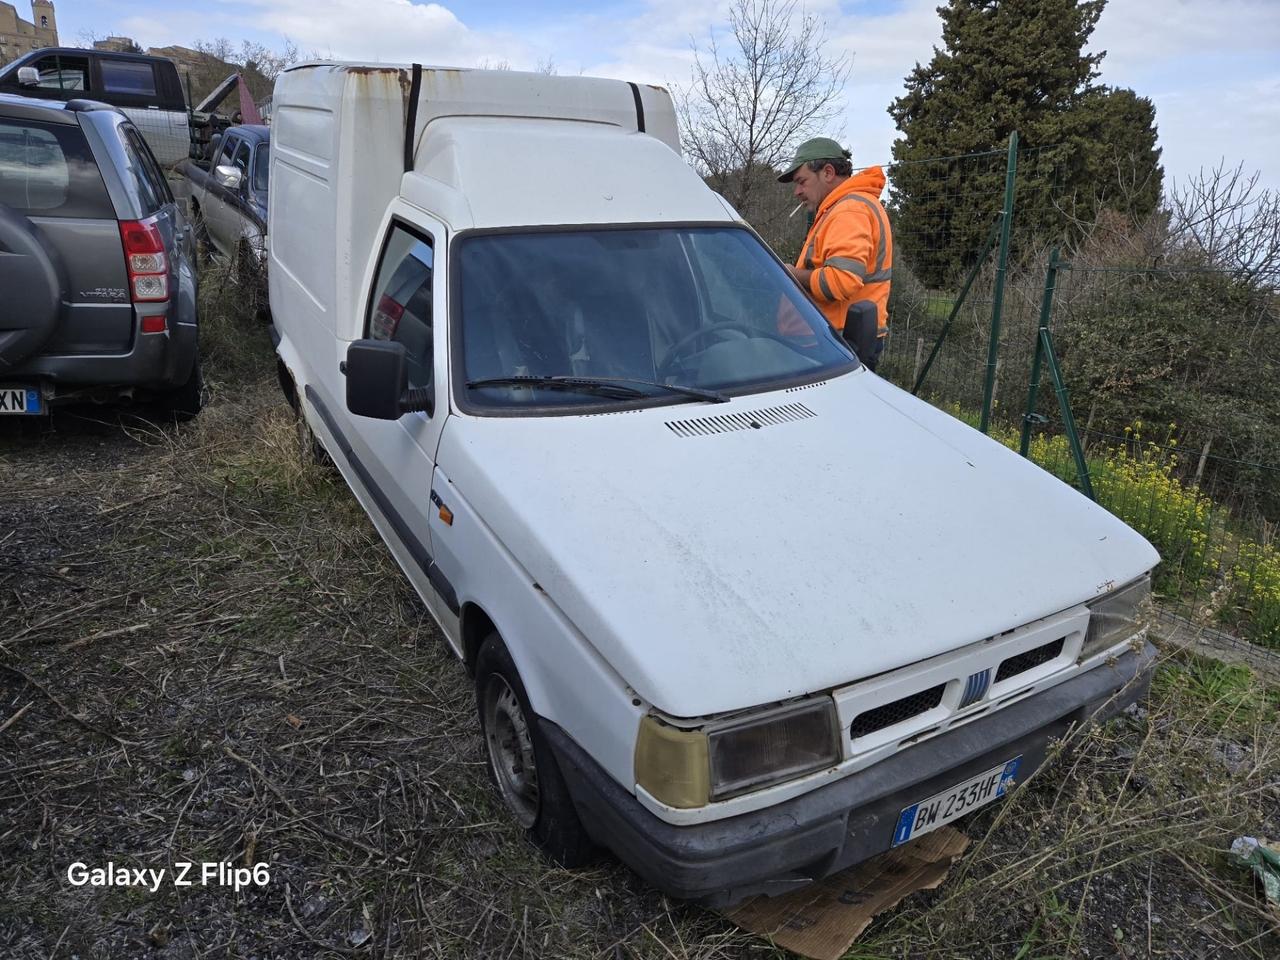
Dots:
{"x": 1010, "y": 65}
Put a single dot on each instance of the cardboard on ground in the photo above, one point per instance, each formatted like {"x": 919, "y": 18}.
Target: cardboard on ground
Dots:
{"x": 823, "y": 919}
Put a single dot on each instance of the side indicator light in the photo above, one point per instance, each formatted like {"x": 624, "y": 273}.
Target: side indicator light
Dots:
{"x": 445, "y": 513}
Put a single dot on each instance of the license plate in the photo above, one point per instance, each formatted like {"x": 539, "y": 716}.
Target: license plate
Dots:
{"x": 954, "y": 802}
{"x": 19, "y": 400}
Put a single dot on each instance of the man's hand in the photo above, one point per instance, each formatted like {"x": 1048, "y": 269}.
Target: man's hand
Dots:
{"x": 802, "y": 276}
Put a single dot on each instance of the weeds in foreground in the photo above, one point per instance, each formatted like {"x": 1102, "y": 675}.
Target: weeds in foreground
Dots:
{"x": 1120, "y": 844}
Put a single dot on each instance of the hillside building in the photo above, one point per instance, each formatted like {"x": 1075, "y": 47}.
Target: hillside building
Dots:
{"x": 18, "y": 36}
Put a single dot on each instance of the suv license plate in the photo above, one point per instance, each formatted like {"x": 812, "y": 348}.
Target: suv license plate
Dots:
{"x": 19, "y": 400}
{"x": 953, "y": 803}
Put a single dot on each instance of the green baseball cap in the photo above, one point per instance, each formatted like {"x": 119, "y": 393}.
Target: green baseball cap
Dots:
{"x": 819, "y": 148}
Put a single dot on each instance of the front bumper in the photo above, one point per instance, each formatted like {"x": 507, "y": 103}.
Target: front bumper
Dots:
{"x": 779, "y": 848}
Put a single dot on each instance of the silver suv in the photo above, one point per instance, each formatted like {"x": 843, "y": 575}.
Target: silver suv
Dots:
{"x": 97, "y": 264}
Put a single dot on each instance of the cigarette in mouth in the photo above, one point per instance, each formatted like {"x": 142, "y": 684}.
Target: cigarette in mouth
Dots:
{"x": 796, "y": 210}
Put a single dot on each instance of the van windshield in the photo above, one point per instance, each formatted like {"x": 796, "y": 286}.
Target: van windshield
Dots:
{"x": 703, "y": 307}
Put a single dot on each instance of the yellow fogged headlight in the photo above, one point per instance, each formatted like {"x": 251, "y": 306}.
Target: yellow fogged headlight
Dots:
{"x": 1117, "y": 616}
{"x": 690, "y": 768}
{"x": 774, "y": 746}
{"x": 671, "y": 764}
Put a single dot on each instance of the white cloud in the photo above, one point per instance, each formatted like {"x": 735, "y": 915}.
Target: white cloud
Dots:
{"x": 1167, "y": 34}
{"x": 392, "y": 31}
{"x": 1209, "y": 65}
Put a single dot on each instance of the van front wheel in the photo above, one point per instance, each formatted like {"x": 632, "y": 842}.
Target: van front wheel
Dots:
{"x": 521, "y": 763}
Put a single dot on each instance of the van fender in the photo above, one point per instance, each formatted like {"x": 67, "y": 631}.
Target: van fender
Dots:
{"x": 566, "y": 679}
{"x": 289, "y": 365}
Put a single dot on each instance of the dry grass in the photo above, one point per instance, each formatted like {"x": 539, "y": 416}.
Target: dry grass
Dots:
{"x": 207, "y": 654}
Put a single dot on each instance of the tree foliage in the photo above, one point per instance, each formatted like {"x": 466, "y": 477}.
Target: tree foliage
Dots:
{"x": 1009, "y": 65}
{"x": 753, "y": 98}
{"x": 257, "y": 63}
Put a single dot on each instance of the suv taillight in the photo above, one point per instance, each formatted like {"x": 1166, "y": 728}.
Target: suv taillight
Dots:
{"x": 145, "y": 260}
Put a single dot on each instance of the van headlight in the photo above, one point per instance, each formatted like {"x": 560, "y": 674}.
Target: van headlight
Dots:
{"x": 689, "y": 768}
{"x": 1117, "y": 616}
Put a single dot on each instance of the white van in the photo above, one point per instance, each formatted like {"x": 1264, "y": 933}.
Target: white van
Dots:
{"x": 736, "y": 608}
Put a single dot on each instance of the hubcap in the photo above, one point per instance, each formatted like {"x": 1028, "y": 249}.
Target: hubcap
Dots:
{"x": 511, "y": 750}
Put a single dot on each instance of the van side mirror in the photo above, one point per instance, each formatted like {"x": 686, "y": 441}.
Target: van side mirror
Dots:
{"x": 861, "y": 328}
{"x": 227, "y": 175}
{"x": 378, "y": 381}
{"x": 28, "y": 77}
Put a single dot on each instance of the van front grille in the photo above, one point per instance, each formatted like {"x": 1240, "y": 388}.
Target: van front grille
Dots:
{"x": 1030, "y": 659}
{"x": 870, "y": 721}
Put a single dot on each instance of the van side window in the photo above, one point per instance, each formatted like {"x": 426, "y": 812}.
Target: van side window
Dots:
{"x": 400, "y": 308}
{"x": 127, "y": 76}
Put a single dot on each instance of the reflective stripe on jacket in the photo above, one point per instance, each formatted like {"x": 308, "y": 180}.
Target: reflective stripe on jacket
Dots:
{"x": 850, "y": 249}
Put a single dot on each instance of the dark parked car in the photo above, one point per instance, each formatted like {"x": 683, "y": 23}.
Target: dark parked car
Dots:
{"x": 228, "y": 190}
{"x": 96, "y": 263}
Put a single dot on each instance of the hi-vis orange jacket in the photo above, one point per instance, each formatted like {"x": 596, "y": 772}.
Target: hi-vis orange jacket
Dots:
{"x": 850, "y": 250}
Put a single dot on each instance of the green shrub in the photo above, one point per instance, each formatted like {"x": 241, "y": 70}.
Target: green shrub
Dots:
{"x": 1255, "y": 593}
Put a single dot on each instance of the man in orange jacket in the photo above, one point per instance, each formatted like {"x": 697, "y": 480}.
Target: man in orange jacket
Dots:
{"x": 847, "y": 257}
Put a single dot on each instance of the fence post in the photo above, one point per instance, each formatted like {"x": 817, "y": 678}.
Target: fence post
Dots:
{"x": 1046, "y": 310}
{"x": 1068, "y": 419}
{"x": 997, "y": 295}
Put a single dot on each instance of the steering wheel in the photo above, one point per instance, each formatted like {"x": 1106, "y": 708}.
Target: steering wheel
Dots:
{"x": 677, "y": 350}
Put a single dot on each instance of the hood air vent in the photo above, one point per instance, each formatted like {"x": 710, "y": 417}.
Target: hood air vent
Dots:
{"x": 748, "y": 420}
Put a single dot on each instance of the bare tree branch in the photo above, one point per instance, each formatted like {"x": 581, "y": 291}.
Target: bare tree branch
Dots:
{"x": 1221, "y": 215}
{"x": 746, "y": 108}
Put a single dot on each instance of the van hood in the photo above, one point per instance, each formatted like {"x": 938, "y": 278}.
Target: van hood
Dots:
{"x": 729, "y": 555}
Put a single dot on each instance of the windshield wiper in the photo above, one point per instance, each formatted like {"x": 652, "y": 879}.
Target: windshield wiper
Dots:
{"x": 605, "y": 386}
{"x": 582, "y": 385}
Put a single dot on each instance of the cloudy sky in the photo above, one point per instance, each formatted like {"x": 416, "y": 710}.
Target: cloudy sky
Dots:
{"x": 1212, "y": 67}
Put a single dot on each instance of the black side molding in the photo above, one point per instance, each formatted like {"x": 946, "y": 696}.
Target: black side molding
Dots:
{"x": 411, "y": 120}
{"x": 635, "y": 92}
{"x": 417, "y": 549}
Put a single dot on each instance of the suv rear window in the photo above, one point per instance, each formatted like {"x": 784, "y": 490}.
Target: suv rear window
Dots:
{"x": 47, "y": 170}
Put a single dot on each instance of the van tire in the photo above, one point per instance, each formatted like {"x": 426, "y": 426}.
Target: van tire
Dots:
{"x": 310, "y": 448}
{"x": 550, "y": 819}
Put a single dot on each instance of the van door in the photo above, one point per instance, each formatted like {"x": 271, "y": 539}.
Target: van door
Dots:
{"x": 397, "y": 457}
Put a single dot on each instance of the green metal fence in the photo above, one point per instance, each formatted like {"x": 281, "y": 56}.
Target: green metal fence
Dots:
{"x": 1167, "y": 367}
{"x": 1145, "y": 385}
{"x": 954, "y": 248}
